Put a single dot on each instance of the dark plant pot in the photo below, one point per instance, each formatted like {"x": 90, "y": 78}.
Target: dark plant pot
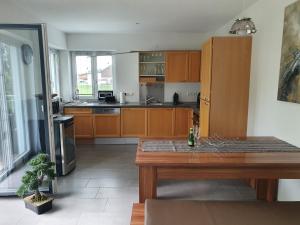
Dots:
{"x": 38, "y": 207}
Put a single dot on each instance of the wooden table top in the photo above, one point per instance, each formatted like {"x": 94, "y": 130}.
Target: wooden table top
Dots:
{"x": 217, "y": 159}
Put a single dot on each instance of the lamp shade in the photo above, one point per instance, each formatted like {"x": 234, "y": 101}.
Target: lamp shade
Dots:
{"x": 244, "y": 26}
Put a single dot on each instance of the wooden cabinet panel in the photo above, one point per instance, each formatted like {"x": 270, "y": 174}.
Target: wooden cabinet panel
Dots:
{"x": 83, "y": 125}
{"x": 206, "y": 67}
{"x": 160, "y": 122}
{"x": 72, "y": 111}
{"x": 177, "y": 66}
{"x": 183, "y": 121}
{"x": 204, "y": 118}
{"x": 230, "y": 86}
{"x": 107, "y": 125}
{"x": 194, "y": 66}
{"x": 134, "y": 122}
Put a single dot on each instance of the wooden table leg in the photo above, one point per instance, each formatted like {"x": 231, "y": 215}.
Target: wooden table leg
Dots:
{"x": 147, "y": 183}
{"x": 266, "y": 190}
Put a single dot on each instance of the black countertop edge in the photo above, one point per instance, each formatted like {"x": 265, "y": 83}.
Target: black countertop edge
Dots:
{"x": 130, "y": 105}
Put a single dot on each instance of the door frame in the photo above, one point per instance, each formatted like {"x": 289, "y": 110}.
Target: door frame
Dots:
{"x": 46, "y": 86}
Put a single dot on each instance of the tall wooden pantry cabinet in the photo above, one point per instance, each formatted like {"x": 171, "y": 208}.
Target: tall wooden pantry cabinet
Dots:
{"x": 225, "y": 74}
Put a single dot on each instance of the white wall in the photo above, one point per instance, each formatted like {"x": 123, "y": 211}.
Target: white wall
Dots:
{"x": 65, "y": 80}
{"x": 135, "y": 42}
{"x": 12, "y": 13}
{"x": 267, "y": 116}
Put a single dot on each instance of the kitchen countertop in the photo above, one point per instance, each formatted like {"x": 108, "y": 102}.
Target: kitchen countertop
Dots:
{"x": 129, "y": 105}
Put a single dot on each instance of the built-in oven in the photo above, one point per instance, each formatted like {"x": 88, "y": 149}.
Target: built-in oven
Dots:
{"x": 65, "y": 147}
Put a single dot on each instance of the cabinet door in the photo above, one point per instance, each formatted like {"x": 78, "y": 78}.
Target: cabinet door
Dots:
{"x": 204, "y": 118}
{"x": 107, "y": 125}
{"x": 206, "y": 68}
{"x": 83, "y": 125}
{"x": 183, "y": 121}
{"x": 134, "y": 122}
{"x": 194, "y": 66}
{"x": 160, "y": 122}
{"x": 177, "y": 66}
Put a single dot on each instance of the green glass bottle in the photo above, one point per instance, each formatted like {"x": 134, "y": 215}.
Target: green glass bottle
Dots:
{"x": 191, "y": 139}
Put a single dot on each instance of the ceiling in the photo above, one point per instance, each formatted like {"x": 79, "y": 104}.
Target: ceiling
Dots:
{"x": 122, "y": 16}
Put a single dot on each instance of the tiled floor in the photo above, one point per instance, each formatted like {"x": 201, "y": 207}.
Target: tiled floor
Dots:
{"x": 103, "y": 187}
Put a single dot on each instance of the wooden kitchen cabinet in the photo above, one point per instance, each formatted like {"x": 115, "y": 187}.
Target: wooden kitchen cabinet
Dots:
{"x": 107, "y": 125}
{"x": 83, "y": 124}
{"x": 204, "y": 118}
{"x": 225, "y": 76}
{"x": 83, "y": 121}
{"x": 183, "y": 66}
{"x": 183, "y": 121}
{"x": 134, "y": 122}
{"x": 194, "y": 66}
{"x": 177, "y": 66}
{"x": 160, "y": 122}
{"x": 206, "y": 65}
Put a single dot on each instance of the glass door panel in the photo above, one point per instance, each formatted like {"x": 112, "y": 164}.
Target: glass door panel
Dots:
{"x": 24, "y": 98}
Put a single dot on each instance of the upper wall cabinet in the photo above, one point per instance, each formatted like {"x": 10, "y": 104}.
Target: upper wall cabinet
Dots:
{"x": 183, "y": 66}
{"x": 177, "y": 66}
{"x": 152, "y": 66}
{"x": 194, "y": 66}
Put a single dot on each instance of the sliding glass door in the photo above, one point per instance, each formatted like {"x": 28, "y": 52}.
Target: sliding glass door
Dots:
{"x": 25, "y": 113}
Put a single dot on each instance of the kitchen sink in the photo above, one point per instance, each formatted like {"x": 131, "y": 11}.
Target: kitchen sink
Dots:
{"x": 156, "y": 103}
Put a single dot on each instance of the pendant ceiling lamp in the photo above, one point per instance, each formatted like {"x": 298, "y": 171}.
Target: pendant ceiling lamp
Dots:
{"x": 243, "y": 26}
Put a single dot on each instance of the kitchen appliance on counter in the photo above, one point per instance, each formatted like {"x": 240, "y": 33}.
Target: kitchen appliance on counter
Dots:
{"x": 64, "y": 144}
{"x": 55, "y": 106}
{"x": 122, "y": 97}
{"x": 106, "y": 97}
{"x": 175, "y": 99}
{"x": 103, "y": 94}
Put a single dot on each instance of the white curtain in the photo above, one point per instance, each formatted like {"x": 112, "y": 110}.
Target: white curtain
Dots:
{"x": 19, "y": 116}
{"x": 5, "y": 134}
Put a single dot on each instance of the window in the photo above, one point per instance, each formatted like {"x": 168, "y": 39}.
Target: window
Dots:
{"x": 54, "y": 70}
{"x": 92, "y": 73}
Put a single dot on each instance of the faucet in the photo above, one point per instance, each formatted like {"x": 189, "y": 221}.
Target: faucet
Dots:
{"x": 76, "y": 95}
{"x": 148, "y": 99}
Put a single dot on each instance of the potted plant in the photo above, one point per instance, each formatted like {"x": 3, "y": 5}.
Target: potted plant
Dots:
{"x": 42, "y": 170}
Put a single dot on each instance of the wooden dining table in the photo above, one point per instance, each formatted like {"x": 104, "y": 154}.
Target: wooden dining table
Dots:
{"x": 262, "y": 166}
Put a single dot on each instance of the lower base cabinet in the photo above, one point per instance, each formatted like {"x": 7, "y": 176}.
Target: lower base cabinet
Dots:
{"x": 83, "y": 121}
{"x": 134, "y": 122}
{"x": 183, "y": 121}
{"x": 83, "y": 124}
{"x": 160, "y": 122}
{"x": 107, "y": 125}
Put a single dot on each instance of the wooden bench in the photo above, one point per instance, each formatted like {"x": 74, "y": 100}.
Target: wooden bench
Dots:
{"x": 138, "y": 214}
{"x": 164, "y": 212}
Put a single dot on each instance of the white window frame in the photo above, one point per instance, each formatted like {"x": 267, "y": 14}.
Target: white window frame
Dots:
{"x": 93, "y": 55}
